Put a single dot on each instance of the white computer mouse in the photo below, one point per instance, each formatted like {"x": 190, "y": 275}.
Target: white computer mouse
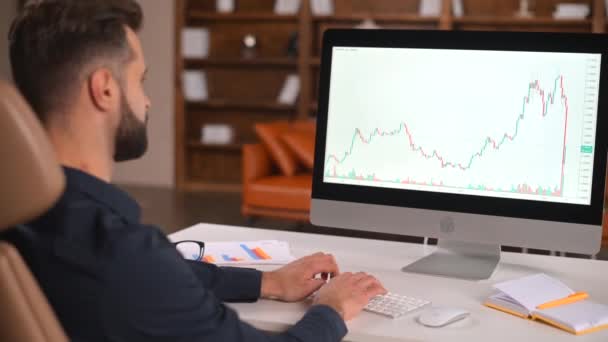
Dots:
{"x": 441, "y": 316}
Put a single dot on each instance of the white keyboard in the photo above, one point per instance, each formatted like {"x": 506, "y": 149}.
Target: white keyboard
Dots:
{"x": 395, "y": 305}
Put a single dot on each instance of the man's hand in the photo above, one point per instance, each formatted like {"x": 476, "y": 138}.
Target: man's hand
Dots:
{"x": 295, "y": 281}
{"x": 349, "y": 293}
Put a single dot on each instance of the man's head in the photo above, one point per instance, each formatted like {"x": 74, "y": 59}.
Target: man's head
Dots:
{"x": 84, "y": 55}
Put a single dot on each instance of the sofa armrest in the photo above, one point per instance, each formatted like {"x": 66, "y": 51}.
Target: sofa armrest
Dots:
{"x": 256, "y": 163}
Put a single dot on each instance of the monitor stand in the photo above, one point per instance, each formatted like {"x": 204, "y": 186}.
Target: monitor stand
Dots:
{"x": 457, "y": 259}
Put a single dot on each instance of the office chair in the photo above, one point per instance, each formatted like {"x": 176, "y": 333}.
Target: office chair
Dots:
{"x": 31, "y": 181}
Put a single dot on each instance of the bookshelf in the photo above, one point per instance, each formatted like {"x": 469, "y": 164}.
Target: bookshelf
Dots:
{"x": 243, "y": 91}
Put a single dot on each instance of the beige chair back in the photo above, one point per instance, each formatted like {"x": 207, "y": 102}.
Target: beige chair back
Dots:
{"x": 31, "y": 181}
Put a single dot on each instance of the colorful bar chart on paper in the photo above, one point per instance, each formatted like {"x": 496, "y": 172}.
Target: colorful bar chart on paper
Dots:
{"x": 209, "y": 259}
{"x": 247, "y": 252}
{"x": 226, "y": 257}
{"x": 256, "y": 253}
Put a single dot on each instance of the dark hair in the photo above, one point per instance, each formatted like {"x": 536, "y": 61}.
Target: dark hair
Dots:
{"x": 53, "y": 42}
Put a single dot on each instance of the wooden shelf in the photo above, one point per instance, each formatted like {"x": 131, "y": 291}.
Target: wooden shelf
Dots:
{"x": 211, "y": 187}
{"x": 388, "y": 17}
{"x": 230, "y": 104}
{"x": 243, "y": 90}
{"x": 212, "y": 16}
{"x": 225, "y": 147}
{"x": 193, "y": 63}
{"x": 506, "y": 21}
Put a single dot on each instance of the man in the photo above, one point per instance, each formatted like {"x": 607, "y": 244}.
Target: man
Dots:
{"x": 109, "y": 278}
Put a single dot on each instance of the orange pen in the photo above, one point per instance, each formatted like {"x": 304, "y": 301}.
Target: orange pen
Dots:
{"x": 575, "y": 297}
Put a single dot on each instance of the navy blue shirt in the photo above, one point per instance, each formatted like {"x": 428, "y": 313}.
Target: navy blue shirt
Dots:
{"x": 111, "y": 278}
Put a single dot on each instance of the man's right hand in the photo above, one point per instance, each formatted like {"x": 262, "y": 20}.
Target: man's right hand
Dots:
{"x": 349, "y": 293}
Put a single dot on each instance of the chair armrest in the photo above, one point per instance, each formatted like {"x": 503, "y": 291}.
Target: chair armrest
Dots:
{"x": 256, "y": 163}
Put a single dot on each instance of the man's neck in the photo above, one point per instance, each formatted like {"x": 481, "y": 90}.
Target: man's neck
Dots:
{"x": 87, "y": 167}
{"x": 81, "y": 149}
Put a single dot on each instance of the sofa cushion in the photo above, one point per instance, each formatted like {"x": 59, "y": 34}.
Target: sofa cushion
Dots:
{"x": 292, "y": 193}
{"x": 302, "y": 145}
{"x": 307, "y": 126}
{"x": 270, "y": 134}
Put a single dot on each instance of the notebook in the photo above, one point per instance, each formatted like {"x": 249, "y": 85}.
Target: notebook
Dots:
{"x": 543, "y": 298}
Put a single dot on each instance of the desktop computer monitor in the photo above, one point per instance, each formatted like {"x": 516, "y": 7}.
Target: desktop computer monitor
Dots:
{"x": 479, "y": 139}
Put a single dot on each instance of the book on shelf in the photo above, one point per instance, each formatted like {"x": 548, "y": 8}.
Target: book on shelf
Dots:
{"x": 217, "y": 134}
{"x": 457, "y": 8}
{"x": 430, "y": 8}
{"x": 195, "y": 42}
{"x": 224, "y": 6}
{"x": 322, "y": 7}
{"x": 571, "y": 11}
{"x": 290, "y": 91}
{"x": 195, "y": 85}
{"x": 368, "y": 24}
{"x": 286, "y": 7}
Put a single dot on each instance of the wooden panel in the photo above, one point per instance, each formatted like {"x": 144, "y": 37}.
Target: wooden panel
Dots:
{"x": 241, "y": 122}
{"x": 285, "y": 62}
{"x": 208, "y": 6}
{"x": 599, "y": 16}
{"x": 315, "y": 85}
{"x": 214, "y": 166}
{"x": 253, "y": 85}
{"x": 226, "y": 38}
{"x": 375, "y": 6}
{"x": 304, "y": 54}
{"x": 245, "y": 90}
{"x": 240, "y": 5}
{"x": 540, "y": 8}
{"x": 255, "y": 5}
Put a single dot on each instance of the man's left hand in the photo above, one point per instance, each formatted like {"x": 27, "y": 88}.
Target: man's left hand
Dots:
{"x": 296, "y": 280}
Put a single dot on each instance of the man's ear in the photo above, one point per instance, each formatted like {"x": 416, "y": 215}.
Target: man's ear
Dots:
{"x": 102, "y": 89}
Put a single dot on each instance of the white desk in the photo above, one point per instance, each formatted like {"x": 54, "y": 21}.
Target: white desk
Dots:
{"x": 385, "y": 259}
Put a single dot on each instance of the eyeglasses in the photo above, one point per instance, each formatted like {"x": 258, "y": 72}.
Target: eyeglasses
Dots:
{"x": 190, "y": 249}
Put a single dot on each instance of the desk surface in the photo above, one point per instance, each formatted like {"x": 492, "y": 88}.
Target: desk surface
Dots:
{"x": 385, "y": 259}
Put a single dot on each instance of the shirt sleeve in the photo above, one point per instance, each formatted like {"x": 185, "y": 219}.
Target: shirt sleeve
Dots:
{"x": 229, "y": 284}
{"x": 152, "y": 294}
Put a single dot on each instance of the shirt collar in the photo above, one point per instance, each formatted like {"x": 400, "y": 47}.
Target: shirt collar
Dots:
{"x": 105, "y": 193}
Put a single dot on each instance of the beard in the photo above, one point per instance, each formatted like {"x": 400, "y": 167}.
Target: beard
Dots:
{"x": 131, "y": 140}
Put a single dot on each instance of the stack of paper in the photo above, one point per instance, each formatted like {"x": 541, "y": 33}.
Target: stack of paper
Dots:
{"x": 430, "y": 8}
{"x": 571, "y": 11}
{"x": 264, "y": 252}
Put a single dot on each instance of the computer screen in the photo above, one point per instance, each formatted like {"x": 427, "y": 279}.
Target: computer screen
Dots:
{"x": 511, "y": 124}
{"x": 479, "y": 139}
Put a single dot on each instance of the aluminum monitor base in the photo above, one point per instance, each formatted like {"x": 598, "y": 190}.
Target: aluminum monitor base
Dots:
{"x": 456, "y": 259}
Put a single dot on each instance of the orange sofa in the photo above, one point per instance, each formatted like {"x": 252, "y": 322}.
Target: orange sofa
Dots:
{"x": 277, "y": 172}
